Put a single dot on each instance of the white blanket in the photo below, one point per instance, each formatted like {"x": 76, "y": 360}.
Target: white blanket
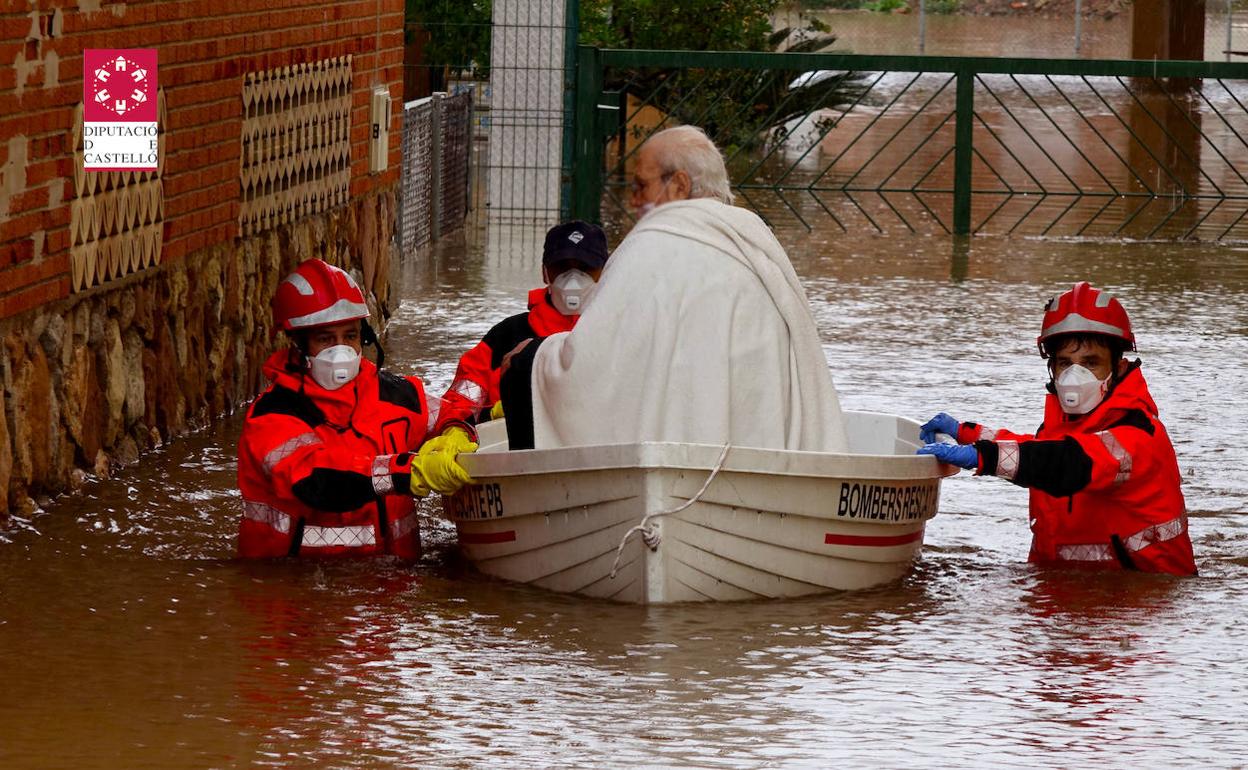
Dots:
{"x": 699, "y": 332}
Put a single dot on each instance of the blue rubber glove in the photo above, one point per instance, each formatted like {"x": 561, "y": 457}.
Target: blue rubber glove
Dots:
{"x": 961, "y": 455}
{"x": 941, "y": 423}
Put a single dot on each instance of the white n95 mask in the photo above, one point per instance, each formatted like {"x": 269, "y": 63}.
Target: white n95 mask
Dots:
{"x": 1078, "y": 390}
{"x": 335, "y": 366}
{"x": 570, "y": 292}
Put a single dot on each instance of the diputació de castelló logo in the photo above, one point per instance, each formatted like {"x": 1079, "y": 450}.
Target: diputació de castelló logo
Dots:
{"x": 119, "y": 112}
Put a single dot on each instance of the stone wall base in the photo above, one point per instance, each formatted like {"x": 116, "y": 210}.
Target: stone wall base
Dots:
{"x": 90, "y": 382}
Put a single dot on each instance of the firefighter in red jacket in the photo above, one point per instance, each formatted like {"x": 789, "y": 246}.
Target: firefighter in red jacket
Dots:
{"x": 1103, "y": 476}
{"x": 328, "y": 460}
{"x": 572, "y": 260}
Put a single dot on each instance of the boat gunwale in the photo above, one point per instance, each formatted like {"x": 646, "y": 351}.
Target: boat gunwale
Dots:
{"x": 645, "y": 459}
{"x": 485, "y": 464}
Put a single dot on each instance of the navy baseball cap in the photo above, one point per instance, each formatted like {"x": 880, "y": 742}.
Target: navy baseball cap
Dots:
{"x": 576, "y": 241}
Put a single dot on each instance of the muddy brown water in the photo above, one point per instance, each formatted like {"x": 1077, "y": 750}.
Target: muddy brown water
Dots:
{"x": 132, "y": 638}
{"x": 1014, "y": 35}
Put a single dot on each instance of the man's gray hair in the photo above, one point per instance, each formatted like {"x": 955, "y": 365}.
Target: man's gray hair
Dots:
{"x": 689, "y": 149}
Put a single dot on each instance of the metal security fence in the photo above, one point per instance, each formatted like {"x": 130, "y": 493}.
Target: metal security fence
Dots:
{"x": 415, "y": 219}
{"x": 451, "y": 161}
{"x": 533, "y": 47}
{"x": 891, "y": 144}
{"x": 434, "y": 182}
{"x": 517, "y": 58}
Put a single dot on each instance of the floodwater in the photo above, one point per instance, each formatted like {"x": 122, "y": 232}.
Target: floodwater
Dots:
{"x": 1016, "y": 35}
{"x": 132, "y": 638}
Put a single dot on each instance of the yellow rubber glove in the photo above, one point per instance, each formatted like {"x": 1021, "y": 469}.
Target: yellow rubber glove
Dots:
{"x": 434, "y": 467}
{"x": 453, "y": 440}
{"x": 496, "y": 411}
{"x": 419, "y": 487}
{"x": 438, "y": 472}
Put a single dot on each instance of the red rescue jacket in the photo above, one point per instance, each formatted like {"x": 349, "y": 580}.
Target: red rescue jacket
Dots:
{"x": 322, "y": 472}
{"x": 1104, "y": 486}
{"x": 475, "y": 387}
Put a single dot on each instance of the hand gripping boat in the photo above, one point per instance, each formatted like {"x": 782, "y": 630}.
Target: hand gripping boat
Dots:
{"x": 665, "y": 522}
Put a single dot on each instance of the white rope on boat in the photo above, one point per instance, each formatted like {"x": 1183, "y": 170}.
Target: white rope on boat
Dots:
{"x": 651, "y": 537}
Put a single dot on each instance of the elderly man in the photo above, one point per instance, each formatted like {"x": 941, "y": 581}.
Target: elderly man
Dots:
{"x": 699, "y": 331}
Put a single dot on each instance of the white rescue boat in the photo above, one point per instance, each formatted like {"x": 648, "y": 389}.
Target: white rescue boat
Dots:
{"x": 666, "y": 522}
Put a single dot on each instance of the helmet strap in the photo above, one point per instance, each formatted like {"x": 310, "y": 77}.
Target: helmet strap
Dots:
{"x": 297, "y": 355}
{"x": 369, "y": 337}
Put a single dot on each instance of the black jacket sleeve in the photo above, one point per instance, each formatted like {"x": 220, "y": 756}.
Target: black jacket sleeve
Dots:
{"x": 515, "y": 386}
{"x": 1059, "y": 468}
{"x": 327, "y": 489}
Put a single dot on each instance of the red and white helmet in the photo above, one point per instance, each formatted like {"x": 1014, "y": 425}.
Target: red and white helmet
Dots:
{"x": 1085, "y": 310}
{"x": 317, "y": 294}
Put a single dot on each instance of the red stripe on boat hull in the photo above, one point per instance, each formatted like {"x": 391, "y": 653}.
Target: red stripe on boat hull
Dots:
{"x": 878, "y": 541}
{"x": 480, "y": 538}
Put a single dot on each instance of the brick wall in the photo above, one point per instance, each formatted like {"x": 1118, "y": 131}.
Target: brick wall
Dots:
{"x": 205, "y": 49}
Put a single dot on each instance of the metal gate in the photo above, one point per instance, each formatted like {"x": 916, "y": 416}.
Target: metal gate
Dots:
{"x": 434, "y": 181}
{"x": 911, "y": 144}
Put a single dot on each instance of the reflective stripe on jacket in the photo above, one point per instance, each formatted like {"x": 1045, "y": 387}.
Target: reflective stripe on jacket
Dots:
{"x": 475, "y": 387}
{"x": 320, "y": 471}
{"x": 1105, "y": 487}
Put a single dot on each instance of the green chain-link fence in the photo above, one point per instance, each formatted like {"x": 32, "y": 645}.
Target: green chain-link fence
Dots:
{"x": 888, "y": 144}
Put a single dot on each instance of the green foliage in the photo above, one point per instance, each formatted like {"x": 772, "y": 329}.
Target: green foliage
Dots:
{"x": 459, "y": 33}
{"x": 734, "y": 106}
{"x": 835, "y": 5}
{"x": 933, "y": 6}
{"x": 717, "y": 25}
{"x": 737, "y": 108}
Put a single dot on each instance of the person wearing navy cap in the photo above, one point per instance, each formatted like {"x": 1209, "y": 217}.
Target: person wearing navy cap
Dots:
{"x": 572, "y": 260}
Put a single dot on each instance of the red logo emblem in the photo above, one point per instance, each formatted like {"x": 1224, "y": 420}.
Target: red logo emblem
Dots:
{"x": 120, "y": 83}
